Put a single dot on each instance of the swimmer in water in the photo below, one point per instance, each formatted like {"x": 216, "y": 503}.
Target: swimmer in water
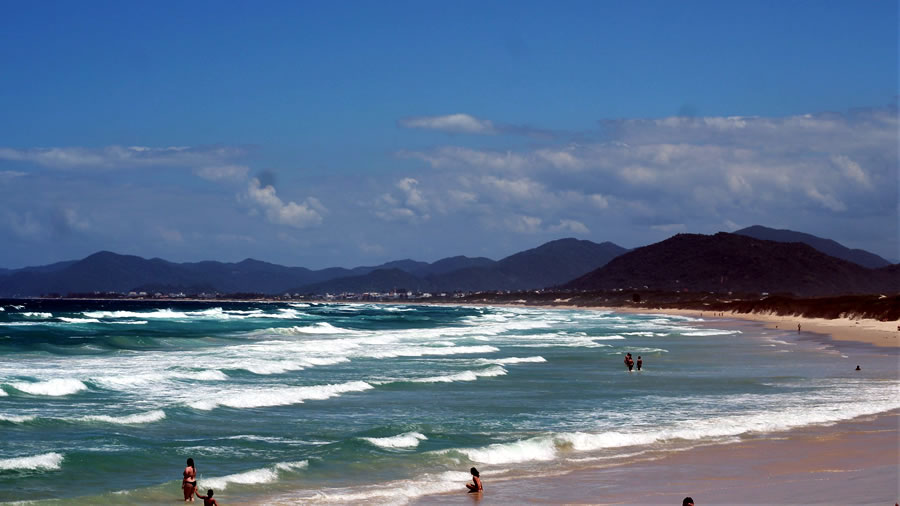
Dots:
{"x": 476, "y": 485}
{"x": 208, "y": 499}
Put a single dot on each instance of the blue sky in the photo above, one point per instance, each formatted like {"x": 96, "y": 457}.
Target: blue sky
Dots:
{"x": 351, "y": 133}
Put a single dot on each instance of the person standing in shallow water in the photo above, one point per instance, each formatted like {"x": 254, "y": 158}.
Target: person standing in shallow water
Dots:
{"x": 639, "y": 363}
{"x": 189, "y": 481}
{"x": 476, "y": 485}
{"x": 629, "y": 362}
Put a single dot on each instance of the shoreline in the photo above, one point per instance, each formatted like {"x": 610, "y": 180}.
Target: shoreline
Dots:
{"x": 841, "y": 463}
{"x": 881, "y": 334}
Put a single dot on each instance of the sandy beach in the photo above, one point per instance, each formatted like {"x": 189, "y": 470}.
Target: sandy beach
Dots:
{"x": 852, "y": 462}
{"x": 863, "y": 330}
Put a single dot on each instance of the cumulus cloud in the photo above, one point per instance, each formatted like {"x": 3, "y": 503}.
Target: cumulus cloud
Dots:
{"x": 454, "y": 123}
{"x": 462, "y": 123}
{"x": 303, "y": 215}
{"x": 407, "y": 204}
{"x": 570, "y": 226}
{"x": 838, "y": 163}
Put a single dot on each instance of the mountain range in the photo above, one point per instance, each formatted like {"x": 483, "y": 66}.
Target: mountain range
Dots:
{"x": 726, "y": 263}
{"x": 756, "y": 259}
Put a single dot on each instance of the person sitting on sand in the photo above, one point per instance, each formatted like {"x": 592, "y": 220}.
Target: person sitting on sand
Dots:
{"x": 476, "y": 485}
{"x": 639, "y": 363}
{"x": 207, "y": 499}
{"x": 189, "y": 481}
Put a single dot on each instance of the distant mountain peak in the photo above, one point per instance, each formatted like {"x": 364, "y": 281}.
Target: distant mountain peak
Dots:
{"x": 827, "y": 246}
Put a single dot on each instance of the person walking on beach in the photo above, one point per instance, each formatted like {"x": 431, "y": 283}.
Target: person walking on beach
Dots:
{"x": 208, "y": 499}
{"x": 189, "y": 481}
{"x": 639, "y": 363}
{"x": 476, "y": 485}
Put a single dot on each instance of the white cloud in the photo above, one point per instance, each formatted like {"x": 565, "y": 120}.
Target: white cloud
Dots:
{"x": 828, "y": 201}
{"x": 852, "y": 170}
{"x": 713, "y": 166}
{"x": 121, "y": 157}
{"x": 170, "y": 235}
{"x": 670, "y": 228}
{"x": 305, "y": 214}
{"x": 524, "y": 224}
{"x": 453, "y": 123}
{"x": 24, "y": 225}
{"x": 409, "y": 206}
{"x": 8, "y": 175}
{"x": 73, "y": 221}
{"x": 573, "y": 226}
{"x": 223, "y": 172}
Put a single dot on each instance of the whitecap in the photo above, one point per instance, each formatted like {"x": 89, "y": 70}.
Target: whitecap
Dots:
{"x": 137, "y": 418}
{"x": 405, "y": 440}
{"x": 279, "y": 396}
{"x": 54, "y": 387}
{"x": 44, "y": 461}
{"x": 463, "y": 376}
{"x": 79, "y": 320}
{"x": 37, "y": 315}
{"x": 252, "y": 477}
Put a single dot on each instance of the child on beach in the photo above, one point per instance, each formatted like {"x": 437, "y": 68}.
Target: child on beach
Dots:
{"x": 208, "y": 498}
{"x": 475, "y": 486}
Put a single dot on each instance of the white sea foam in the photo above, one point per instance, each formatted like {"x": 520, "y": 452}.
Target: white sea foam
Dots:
{"x": 37, "y": 315}
{"x": 54, "y": 387}
{"x": 253, "y": 477}
{"x": 463, "y": 376}
{"x": 514, "y": 360}
{"x": 79, "y": 320}
{"x": 44, "y": 461}
{"x": 317, "y": 328}
{"x": 549, "y": 447}
{"x": 419, "y": 351}
{"x": 3, "y": 393}
{"x": 405, "y": 440}
{"x": 710, "y": 332}
{"x": 17, "y": 418}
{"x": 278, "y": 396}
{"x": 137, "y": 418}
{"x": 393, "y": 492}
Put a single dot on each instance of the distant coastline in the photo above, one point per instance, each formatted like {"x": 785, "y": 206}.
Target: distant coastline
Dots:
{"x": 871, "y": 319}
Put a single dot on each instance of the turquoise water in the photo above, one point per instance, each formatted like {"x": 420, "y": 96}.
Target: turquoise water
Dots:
{"x": 284, "y": 402}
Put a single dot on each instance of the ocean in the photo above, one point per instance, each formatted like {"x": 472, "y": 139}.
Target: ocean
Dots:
{"x": 103, "y": 401}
